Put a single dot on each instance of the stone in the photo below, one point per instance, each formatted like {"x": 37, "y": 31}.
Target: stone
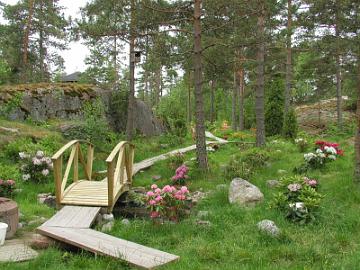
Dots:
{"x": 21, "y": 225}
{"x": 203, "y": 223}
{"x": 156, "y": 177}
{"x": 16, "y": 251}
{"x": 41, "y": 197}
{"x": 272, "y": 183}
{"x": 196, "y": 196}
{"x": 125, "y": 222}
{"x": 108, "y": 217}
{"x": 243, "y": 193}
{"x": 39, "y": 241}
{"x": 99, "y": 219}
{"x": 107, "y": 226}
{"x": 50, "y": 201}
{"x": 281, "y": 171}
{"x": 202, "y": 214}
{"x": 37, "y": 220}
{"x": 269, "y": 227}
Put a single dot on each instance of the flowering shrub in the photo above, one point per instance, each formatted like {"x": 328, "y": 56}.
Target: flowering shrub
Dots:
{"x": 7, "y": 187}
{"x": 35, "y": 168}
{"x": 181, "y": 175}
{"x": 324, "y": 153}
{"x": 298, "y": 198}
{"x": 166, "y": 203}
{"x": 302, "y": 144}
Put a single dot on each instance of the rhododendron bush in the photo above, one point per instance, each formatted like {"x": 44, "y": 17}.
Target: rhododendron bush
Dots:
{"x": 181, "y": 175}
{"x": 324, "y": 152}
{"x": 167, "y": 202}
{"x": 7, "y": 187}
{"x": 298, "y": 198}
{"x": 35, "y": 168}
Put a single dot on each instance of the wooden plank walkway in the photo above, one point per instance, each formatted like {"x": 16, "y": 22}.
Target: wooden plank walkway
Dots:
{"x": 72, "y": 226}
{"x": 101, "y": 243}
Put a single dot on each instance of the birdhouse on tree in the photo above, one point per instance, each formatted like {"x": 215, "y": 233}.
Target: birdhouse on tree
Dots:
{"x": 136, "y": 56}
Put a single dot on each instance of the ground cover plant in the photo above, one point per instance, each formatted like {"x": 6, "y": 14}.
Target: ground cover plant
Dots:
{"x": 241, "y": 244}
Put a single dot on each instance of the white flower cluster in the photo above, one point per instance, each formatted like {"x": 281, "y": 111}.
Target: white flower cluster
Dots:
{"x": 300, "y": 141}
{"x": 297, "y": 205}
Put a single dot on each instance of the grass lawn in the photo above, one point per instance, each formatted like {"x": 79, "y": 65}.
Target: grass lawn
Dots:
{"x": 233, "y": 240}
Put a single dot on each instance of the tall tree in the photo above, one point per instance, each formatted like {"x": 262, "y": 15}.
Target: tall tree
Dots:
{"x": 288, "y": 57}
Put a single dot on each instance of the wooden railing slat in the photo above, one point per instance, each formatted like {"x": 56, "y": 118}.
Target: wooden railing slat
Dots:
{"x": 68, "y": 168}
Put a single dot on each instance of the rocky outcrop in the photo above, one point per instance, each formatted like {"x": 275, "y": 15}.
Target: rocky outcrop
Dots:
{"x": 41, "y": 102}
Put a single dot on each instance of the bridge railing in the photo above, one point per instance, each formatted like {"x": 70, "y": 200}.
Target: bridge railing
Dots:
{"x": 75, "y": 156}
{"x": 119, "y": 162}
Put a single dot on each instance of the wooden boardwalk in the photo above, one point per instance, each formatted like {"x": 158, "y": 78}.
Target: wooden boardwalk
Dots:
{"x": 72, "y": 226}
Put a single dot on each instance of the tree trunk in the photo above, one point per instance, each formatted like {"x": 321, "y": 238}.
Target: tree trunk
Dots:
{"x": 338, "y": 72}
{"x": 131, "y": 100}
{"x": 233, "y": 102}
{"x": 259, "y": 95}
{"x": 199, "y": 102}
{"x": 288, "y": 60}
{"x": 241, "y": 98}
{"x": 189, "y": 99}
{"x": 157, "y": 85}
{"x": 41, "y": 45}
{"x": 26, "y": 39}
{"x": 212, "y": 101}
{"x": 357, "y": 136}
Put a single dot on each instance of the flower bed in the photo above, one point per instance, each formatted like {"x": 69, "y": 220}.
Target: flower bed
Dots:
{"x": 7, "y": 187}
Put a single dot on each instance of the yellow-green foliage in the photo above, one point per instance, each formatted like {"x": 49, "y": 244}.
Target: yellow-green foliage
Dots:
{"x": 73, "y": 89}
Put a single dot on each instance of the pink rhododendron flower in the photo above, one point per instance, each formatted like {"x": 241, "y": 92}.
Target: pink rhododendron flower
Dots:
{"x": 184, "y": 189}
{"x": 10, "y": 182}
{"x": 154, "y": 214}
{"x": 167, "y": 188}
{"x": 294, "y": 187}
{"x": 152, "y": 202}
{"x": 154, "y": 186}
{"x": 158, "y": 198}
{"x": 150, "y": 193}
{"x": 158, "y": 191}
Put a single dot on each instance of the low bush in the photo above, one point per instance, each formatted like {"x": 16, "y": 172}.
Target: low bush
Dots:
{"x": 298, "y": 198}
{"x": 246, "y": 164}
{"x": 7, "y": 188}
{"x": 35, "y": 168}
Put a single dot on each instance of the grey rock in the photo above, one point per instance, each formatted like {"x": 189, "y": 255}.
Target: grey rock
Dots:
{"x": 41, "y": 197}
{"x": 107, "y": 226}
{"x": 202, "y": 214}
{"x": 269, "y": 227}
{"x": 50, "y": 201}
{"x": 108, "y": 217}
{"x": 125, "y": 222}
{"x": 272, "y": 183}
{"x": 156, "y": 177}
{"x": 243, "y": 193}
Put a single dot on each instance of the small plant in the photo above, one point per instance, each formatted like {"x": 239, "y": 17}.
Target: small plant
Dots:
{"x": 12, "y": 104}
{"x": 167, "y": 203}
{"x": 7, "y": 188}
{"x": 176, "y": 160}
{"x": 302, "y": 144}
{"x": 298, "y": 199}
{"x": 180, "y": 175}
{"x": 290, "y": 128}
{"x": 35, "y": 168}
{"x": 246, "y": 164}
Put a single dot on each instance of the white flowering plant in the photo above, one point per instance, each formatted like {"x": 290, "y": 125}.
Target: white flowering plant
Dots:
{"x": 36, "y": 168}
{"x": 298, "y": 198}
{"x": 302, "y": 144}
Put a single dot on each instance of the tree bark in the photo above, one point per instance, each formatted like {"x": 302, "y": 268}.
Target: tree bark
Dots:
{"x": 288, "y": 59}
{"x": 241, "y": 98}
{"x": 338, "y": 72}
{"x": 157, "y": 85}
{"x": 357, "y": 135}
{"x": 259, "y": 95}
{"x": 189, "y": 99}
{"x": 199, "y": 102}
{"x": 212, "y": 101}
{"x": 131, "y": 99}
{"x": 26, "y": 39}
{"x": 233, "y": 102}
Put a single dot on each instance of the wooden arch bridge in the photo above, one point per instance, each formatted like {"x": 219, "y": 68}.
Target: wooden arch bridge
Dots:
{"x": 86, "y": 192}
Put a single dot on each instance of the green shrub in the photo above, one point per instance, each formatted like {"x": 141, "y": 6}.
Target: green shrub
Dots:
{"x": 274, "y": 115}
{"x": 180, "y": 128}
{"x": 13, "y": 103}
{"x": 290, "y": 125}
{"x": 11, "y": 150}
{"x": 298, "y": 198}
{"x": 9, "y": 172}
{"x": 245, "y": 164}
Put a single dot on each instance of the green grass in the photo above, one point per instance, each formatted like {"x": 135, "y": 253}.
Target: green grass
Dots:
{"x": 232, "y": 241}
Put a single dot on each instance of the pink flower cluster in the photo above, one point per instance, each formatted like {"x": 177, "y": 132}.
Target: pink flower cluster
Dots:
{"x": 160, "y": 201}
{"x": 6, "y": 187}
{"x": 181, "y": 173}
{"x": 322, "y": 144}
{"x": 310, "y": 182}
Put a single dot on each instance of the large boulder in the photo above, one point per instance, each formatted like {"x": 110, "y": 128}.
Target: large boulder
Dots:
{"x": 145, "y": 121}
{"x": 243, "y": 193}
